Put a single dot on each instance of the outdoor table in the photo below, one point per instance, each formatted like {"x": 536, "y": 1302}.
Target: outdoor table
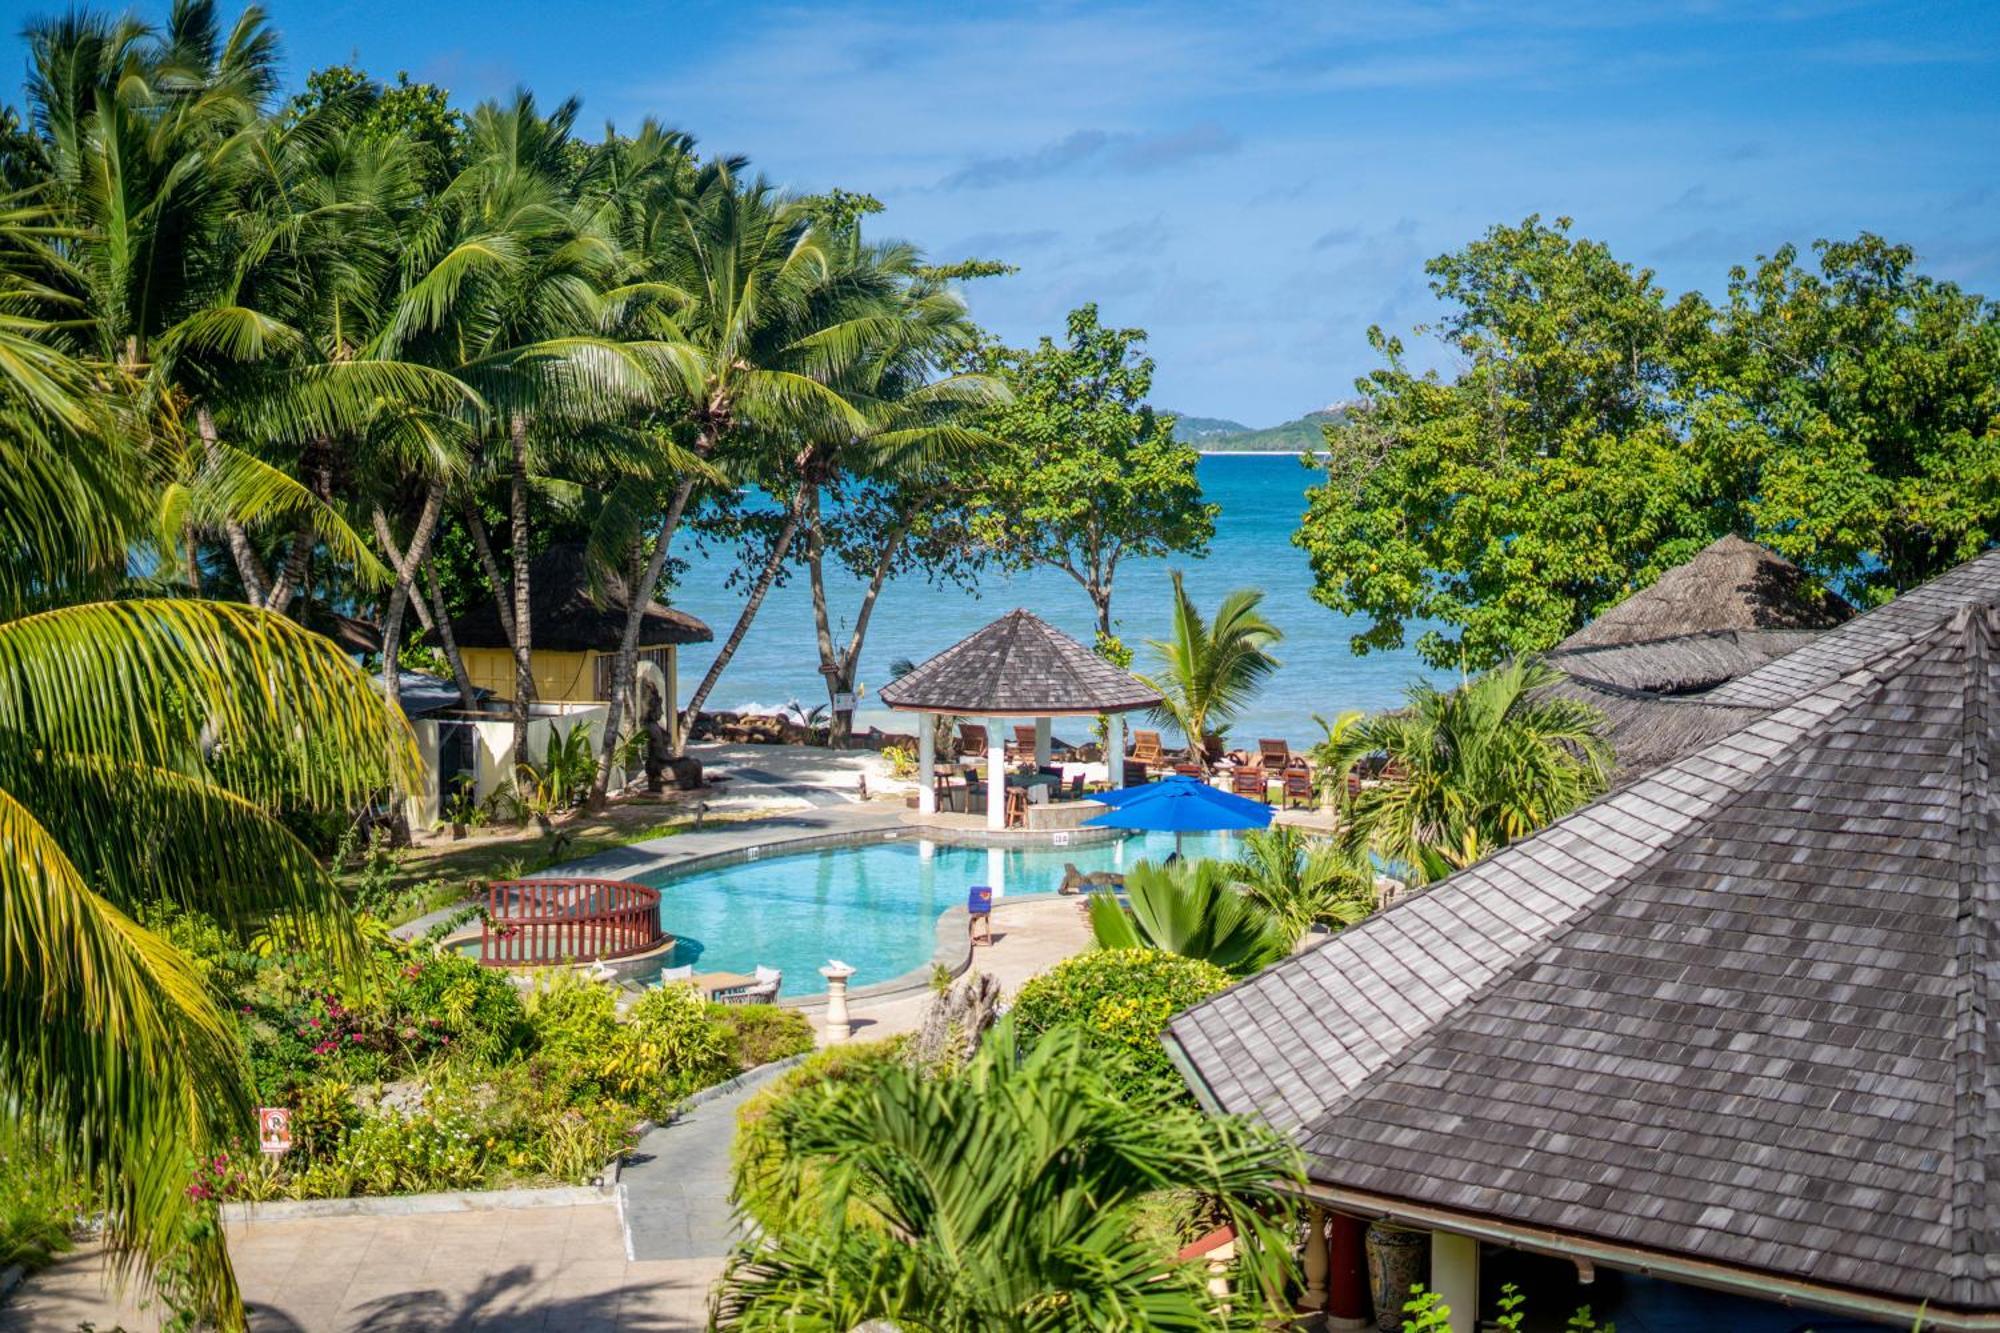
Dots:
{"x": 708, "y": 983}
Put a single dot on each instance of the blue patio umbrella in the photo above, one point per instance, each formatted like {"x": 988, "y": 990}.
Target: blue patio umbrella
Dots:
{"x": 1179, "y": 805}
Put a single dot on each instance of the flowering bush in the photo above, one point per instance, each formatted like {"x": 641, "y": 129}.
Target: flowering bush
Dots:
{"x": 439, "y": 1146}
{"x": 1121, "y": 999}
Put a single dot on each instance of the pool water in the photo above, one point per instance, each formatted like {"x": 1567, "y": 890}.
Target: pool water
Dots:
{"x": 873, "y": 906}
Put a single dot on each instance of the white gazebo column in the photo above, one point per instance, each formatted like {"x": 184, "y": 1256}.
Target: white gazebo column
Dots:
{"x": 1114, "y": 750}
{"x": 926, "y": 764}
{"x": 1455, "y": 1278}
{"x": 996, "y": 775}
{"x": 1043, "y": 727}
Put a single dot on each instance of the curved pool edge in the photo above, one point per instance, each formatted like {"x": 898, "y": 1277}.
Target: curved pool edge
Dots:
{"x": 953, "y": 949}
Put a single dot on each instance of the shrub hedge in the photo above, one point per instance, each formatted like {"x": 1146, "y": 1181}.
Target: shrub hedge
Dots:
{"x": 1122, "y": 1000}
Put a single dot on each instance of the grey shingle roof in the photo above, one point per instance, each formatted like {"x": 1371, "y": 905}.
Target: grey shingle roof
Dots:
{"x": 1019, "y": 664}
{"x": 1737, "y": 1010}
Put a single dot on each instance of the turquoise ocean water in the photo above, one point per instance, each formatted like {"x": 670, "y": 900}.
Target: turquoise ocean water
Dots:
{"x": 1262, "y": 498}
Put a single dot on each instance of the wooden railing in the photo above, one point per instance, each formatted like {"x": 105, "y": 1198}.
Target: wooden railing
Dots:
{"x": 537, "y": 922}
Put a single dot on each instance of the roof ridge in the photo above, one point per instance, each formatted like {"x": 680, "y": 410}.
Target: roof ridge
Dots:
{"x": 1973, "y": 1068}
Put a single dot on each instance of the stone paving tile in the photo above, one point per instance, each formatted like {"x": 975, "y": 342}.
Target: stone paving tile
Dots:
{"x": 504, "y": 1269}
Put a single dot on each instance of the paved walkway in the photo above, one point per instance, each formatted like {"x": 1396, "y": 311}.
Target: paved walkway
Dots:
{"x": 676, "y": 1182}
{"x": 504, "y": 1269}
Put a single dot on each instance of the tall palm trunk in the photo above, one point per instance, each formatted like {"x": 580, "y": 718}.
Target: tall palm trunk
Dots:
{"x": 399, "y": 597}
{"x": 838, "y": 667}
{"x": 625, "y": 670}
{"x": 766, "y": 576}
{"x": 256, "y": 584}
{"x": 524, "y": 667}
{"x": 441, "y": 618}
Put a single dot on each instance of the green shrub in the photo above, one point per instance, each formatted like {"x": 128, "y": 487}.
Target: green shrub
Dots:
{"x": 1122, "y": 1000}
{"x": 757, "y": 1034}
{"x": 439, "y": 1146}
{"x": 756, "y": 1156}
{"x": 667, "y": 1048}
{"x": 39, "y": 1203}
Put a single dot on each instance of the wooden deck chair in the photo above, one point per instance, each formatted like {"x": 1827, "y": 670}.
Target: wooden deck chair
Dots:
{"x": 971, "y": 740}
{"x": 1023, "y": 744}
{"x": 1251, "y": 780}
{"x": 1298, "y": 784}
{"x": 1276, "y": 755}
{"x": 1147, "y": 750}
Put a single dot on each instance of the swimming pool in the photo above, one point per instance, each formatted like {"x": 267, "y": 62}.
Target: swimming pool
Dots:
{"x": 874, "y": 906}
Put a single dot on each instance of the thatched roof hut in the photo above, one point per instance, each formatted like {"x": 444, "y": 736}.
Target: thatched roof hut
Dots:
{"x": 1018, "y": 666}
{"x": 574, "y": 609}
{"x": 1649, "y": 662}
{"x": 1729, "y": 586}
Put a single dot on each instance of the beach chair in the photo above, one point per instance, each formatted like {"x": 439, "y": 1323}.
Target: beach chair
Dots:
{"x": 1147, "y": 750}
{"x": 971, "y": 740}
{"x": 1298, "y": 784}
{"x": 1251, "y": 780}
{"x": 1023, "y": 744}
{"x": 1188, "y": 768}
{"x": 1276, "y": 755}
{"x": 1136, "y": 773}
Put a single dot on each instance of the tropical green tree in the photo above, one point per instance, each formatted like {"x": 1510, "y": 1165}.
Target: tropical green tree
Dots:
{"x": 1008, "y": 1198}
{"x": 873, "y": 333}
{"x": 1469, "y": 770}
{"x": 1087, "y": 474}
{"x": 1547, "y": 480}
{"x": 1209, "y": 671}
{"x": 1191, "y": 908}
{"x": 1598, "y": 434}
{"x": 1864, "y": 396}
{"x": 146, "y": 744}
{"x": 1304, "y": 881}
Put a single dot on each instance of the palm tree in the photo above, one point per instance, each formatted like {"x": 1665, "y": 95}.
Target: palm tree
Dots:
{"x": 1007, "y": 1198}
{"x": 1209, "y": 672}
{"x": 1192, "y": 909}
{"x": 144, "y": 745}
{"x": 1304, "y": 882}
{"x": 1470, "y": 770}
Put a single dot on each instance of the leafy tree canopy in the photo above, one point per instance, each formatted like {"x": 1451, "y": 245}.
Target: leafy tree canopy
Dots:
{"x": 1086, "y": 473}
{"x": 1599, "y": 434}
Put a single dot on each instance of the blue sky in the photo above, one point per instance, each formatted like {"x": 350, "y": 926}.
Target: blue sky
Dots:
{"x": 1256, "y": 184}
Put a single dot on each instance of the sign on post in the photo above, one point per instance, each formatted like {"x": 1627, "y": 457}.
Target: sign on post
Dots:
{"x": 274, "y": 1130}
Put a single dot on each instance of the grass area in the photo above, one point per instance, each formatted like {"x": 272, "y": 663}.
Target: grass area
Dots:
{"x": 402, "y": 885}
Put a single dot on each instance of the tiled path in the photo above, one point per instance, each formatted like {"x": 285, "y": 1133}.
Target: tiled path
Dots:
{"x": 513, "y": 1269}
{"x": 676, "y": 1183}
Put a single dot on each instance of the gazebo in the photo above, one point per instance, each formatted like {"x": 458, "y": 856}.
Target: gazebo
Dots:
{"x": 1018, "y": 667}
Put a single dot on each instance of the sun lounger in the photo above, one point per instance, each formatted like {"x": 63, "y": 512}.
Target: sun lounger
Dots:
{"x": 971, "y": 740}
{"x": 1276, "y": 755}
{"x": 1147, "y": 750}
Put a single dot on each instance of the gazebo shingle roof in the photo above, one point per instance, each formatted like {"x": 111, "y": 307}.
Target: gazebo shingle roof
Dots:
{"x": 570, "y": 612}
{"x": 1736, "y": 1011}
{"x": 1018, "y": 666}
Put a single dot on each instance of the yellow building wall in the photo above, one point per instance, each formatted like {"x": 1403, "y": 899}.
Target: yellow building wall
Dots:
{"x": 559, "y": 677}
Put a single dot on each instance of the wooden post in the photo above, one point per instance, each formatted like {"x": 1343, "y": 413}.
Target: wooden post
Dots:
{"x": 1347, "y": 1272}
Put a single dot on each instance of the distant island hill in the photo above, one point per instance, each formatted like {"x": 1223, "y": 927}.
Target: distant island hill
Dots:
{"x": 1215, "y": 435}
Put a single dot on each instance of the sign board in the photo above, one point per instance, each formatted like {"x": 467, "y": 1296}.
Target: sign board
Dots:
{"x": 274, "y": 1130}
{"x": 1060, "y": 839}
{"x": 843, "y": 702}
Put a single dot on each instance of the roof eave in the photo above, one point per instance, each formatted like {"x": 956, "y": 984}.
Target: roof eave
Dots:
{"x": 1757, "y": 1284}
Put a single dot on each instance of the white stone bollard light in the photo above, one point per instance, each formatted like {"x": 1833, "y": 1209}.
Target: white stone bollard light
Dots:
{"x": 838, "y": 1027}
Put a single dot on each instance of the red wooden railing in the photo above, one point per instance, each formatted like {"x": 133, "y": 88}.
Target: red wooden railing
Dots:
{"x": 536, "y": 922}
